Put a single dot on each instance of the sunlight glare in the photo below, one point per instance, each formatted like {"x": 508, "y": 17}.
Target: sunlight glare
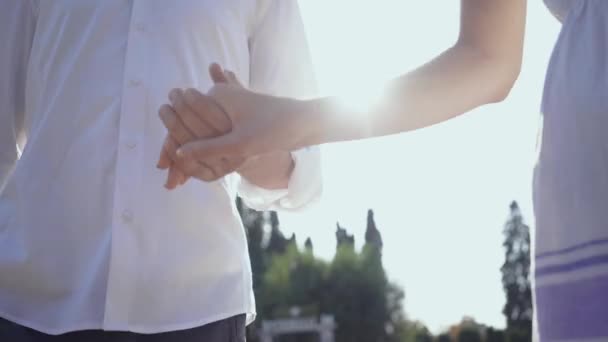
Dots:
{"x": 360, "y": 98}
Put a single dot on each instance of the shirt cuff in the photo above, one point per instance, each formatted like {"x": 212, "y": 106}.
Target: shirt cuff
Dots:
{"x": 304, "y": 188}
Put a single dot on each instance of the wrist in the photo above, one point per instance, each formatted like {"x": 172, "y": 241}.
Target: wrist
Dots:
{"x": 269, "y": 171}
{"x": 308, "y": 125}
{"x": 325, "y": 120}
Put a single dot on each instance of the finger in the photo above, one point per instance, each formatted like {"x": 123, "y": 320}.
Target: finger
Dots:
{"x": 175, "y": 175}
{"x": 208, "y": 111}
{"x": 188, "y": 115}
{"x": 174, "y": 125}
{"x": 221, "y": 168}
{"x": 179, "y": 135}
{"x": 217, "y": 73}
{"x": 232, "y": 79}
{"x": 174, "y": 178}
{"x": 213, "y": 149}
{"x": 187, "y": 167}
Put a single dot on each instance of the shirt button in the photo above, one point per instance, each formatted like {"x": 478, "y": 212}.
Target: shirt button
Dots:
{"x": 140, "y": 27}
{"x": 131, "y": 145}
{"x": 134, "y": 83}
{"x": 127, "y": 216}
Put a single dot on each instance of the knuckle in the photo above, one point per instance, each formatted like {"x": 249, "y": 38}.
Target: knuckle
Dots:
{"x": 168, "y": 120}
{"x": 171, "y": 144}
{"x": 177, "y": 100}
{"x": 191, "y": 96}
{"x": 174, "y": 93}
{"x": 164, "y": 111}
{"x": 171, "y": 123}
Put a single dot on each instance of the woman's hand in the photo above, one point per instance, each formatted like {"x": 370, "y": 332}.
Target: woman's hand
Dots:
{"x": 261, "y": 124}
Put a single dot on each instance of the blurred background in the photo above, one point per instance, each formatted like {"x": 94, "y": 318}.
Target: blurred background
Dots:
{"x": 448, "y": 201}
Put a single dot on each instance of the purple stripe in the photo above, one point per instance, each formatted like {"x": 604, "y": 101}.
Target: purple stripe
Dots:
{"x": 576, "y": 265}
{"x": 576, "y": 310}
{"x": 572, "y": 248}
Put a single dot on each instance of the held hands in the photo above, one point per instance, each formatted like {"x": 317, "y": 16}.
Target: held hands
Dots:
{"x": 262, "y": 126}
{"x": 229, "y": 129}
{"x": 193, "y": 116}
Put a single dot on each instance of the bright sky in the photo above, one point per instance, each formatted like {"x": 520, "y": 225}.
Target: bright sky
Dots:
{"x": 440, "y": 195}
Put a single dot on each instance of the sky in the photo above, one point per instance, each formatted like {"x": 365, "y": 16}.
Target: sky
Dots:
{"x": 440, "y": 195}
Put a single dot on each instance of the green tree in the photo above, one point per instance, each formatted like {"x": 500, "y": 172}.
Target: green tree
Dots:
{"x": 494, "y": 335}
{"x": 343, "y": 238}
{"x": 415, "y": 331}
{"x": 518, "y": 335}
{"x": 308, "y": 246}
{"x": 445, "y": 337}
{"x": 277, "y": 243}
{"x": 353, "y": 286}
{"x": 469, "y": 335}
{"x": 340, "y": 293}
{"x": 516, "y": 276}
{"x": 366, "y": 306}
{"x": 254, "y": 222}
{"x": 394, "y": 306}
{"x": 372, "y": 234}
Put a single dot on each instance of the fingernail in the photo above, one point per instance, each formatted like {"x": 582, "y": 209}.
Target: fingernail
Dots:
{"x": 179, "y": 152}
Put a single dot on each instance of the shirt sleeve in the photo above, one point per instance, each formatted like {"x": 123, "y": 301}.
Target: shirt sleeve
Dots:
{"x": 17, "y": 25}
{"x": 281, "y": 65}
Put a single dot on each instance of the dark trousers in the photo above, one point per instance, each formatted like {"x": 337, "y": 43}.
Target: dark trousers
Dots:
{"x": 228, "y": 330}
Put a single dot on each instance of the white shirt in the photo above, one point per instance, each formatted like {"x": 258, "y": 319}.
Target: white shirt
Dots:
{"x": 89, "y": 238}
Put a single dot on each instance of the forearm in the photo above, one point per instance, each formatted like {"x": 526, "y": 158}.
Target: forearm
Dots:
{"x": 271, "y": 171}
{"x": 456, "y": 82}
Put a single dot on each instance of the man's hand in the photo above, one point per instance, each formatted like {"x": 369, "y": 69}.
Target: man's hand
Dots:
{"x": 193, "y": 116}
{"x": 270, "y": 169}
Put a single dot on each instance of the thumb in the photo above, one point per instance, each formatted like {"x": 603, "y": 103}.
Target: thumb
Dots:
{"x": 232, "y": 79}
{"x": 217, "y": 74}
{"x": 224, "y": 146}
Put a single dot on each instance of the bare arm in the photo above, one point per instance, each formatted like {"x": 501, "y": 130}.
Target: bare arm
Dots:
{"x": 479, "y": 69}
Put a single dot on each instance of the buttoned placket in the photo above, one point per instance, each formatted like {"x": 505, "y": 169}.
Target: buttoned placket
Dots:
{"x": 129, "y": 163}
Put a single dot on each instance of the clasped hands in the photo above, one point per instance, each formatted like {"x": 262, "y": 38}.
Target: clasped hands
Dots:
{"x": 210, "y": 136}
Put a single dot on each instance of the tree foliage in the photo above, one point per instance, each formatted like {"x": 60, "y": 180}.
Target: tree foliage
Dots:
{"x": 353, "y": 286}
{"x": 469, "y": 335}
{"x": 516, "y": 277}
